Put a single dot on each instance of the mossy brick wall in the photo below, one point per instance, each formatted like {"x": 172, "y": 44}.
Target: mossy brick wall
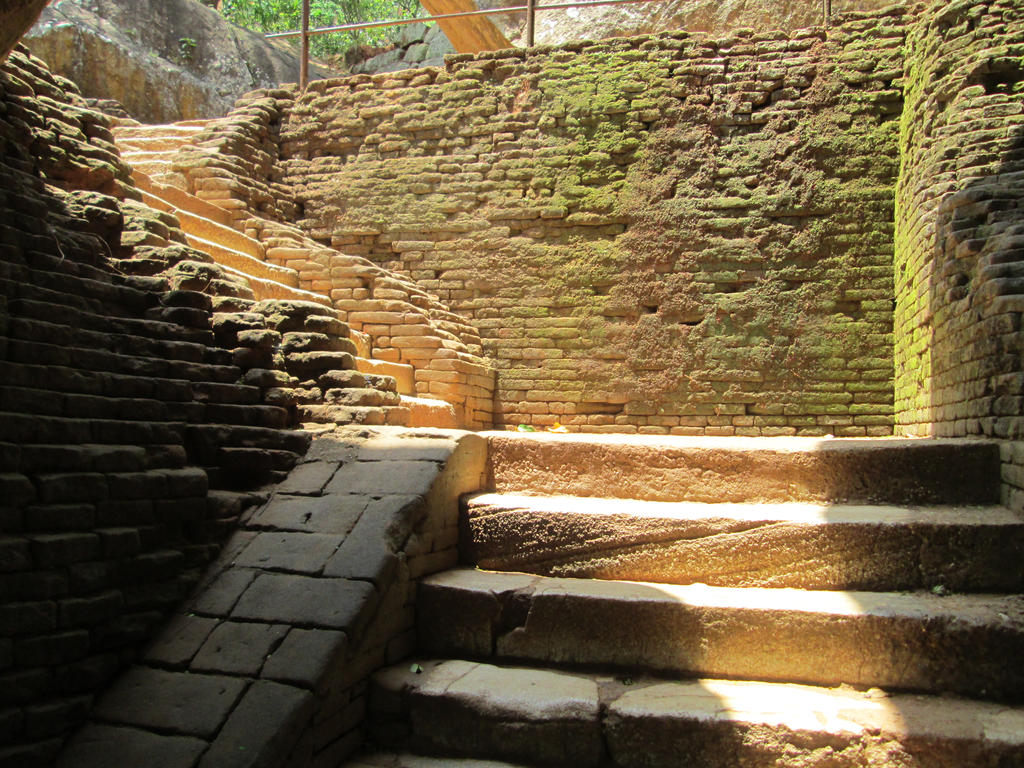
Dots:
{"x": 960, "y": 230}
{"x": 666, "y": 234}
{"x": 231, "y": 164}
{"x": 111, "y": 384}
{"x": 959, "y": 222}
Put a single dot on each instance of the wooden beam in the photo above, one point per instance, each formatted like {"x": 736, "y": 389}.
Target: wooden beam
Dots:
{"x": 469, "y": 35}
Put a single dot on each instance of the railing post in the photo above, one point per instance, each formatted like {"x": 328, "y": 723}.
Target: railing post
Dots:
{"x": 304, "y": 64}
{"x": 826, "y": 12}
{"x": 531, "y": 12}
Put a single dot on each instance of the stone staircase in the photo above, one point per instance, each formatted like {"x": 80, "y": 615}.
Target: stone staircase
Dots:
{"x": 150, "y": 149}
{"x": 371, "y": 386}
{"x": 719, "y": 602}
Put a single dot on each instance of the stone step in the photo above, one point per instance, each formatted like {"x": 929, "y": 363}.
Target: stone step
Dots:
{"x": 216, "y": 436}
{"x": 344, "y": 414}
{"x": 152, "y": 142}
{"x": 39, "y": 353}
{"x": 541, "y": 717}
{"x": 897, "y": 641}
{"x": 746, "y": 469}
{"x": 808, "y": 546}
{"x": 158, "y": 169}
{"x": 132, "y": 326}
{"x": 175, "y": 199}
{"x": 425, "y": 412}
{"x": 244, "y": 263}
{"x": 264, "y": 288}
{"x": 127, "y": 343}
{"x": 142, "y": 157}
{"x": 402, "y": 374}
{"x": 199, "y": 225}
{"x": 184, "y": 129}
{"x": 408, "y": 760}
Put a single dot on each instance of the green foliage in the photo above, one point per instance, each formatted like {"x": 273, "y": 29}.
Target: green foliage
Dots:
{"x": 186, "y": 49}
{"x": 286, "y": 15}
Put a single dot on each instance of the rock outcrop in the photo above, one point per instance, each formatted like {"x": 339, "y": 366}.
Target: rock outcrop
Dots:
{"x": 15, "y": 17}
{"x": 416, "y": 45}
{"x": 715, "y": 17}
{"x": 164, "y": 60}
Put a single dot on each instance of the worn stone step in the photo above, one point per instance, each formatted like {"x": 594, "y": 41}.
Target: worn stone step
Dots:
{"x": 264, "y": 288}
{"x": 746, "y": 469}
{"x": 39, "y": 353}
{"x": 247, "y": 415}
{"x": 26, "y": 428}
{"x": 409, "y": 760}
{"x": 126, "y": 343}
{"x": 152, "y": 166}
{"x": 174, "y": 199}
{"x": 81, "y": 318}
{"x": 131, "y": 155}
{"x": 183, "y": 129}
{"x": 368, "y": 396}
{"x": 541, "y": 717}
{"x": 314, "y": 413}
{"x": 217, "y": 436}
{"x": 427, "y": 412}
{"x": 42, "y": 401}
{"x": 54, "y": 378}
{"x": 402, "y": 374}
{"x": 151, "y": 142}
{"x": 898, "y": 641}
{"x": 202, "y": 226}
{"x": 809, "y": 546}
{"x": 233, "y": 394}
{"x": 249, "y": 265}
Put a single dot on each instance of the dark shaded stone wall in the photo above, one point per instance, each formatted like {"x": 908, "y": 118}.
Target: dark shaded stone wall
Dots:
{"x": 667, "y": 234}
{"x": 126, "y": 443}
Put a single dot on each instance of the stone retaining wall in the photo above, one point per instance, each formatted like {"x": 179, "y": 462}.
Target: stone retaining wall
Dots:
{"x": 667, "y": 234}
{"x": 268, "y": 664}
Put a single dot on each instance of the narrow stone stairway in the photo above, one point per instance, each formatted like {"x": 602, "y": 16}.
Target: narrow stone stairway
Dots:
{"x": 719, "y": 602}
{"x": 359, "y": 394}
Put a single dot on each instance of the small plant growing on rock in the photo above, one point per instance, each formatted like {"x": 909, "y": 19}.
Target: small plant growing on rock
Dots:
{"x": 186, "y": 49}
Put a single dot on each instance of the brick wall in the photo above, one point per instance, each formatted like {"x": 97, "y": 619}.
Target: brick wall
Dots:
{"x": 233, "y": 164}
{"x": 120, "y": 416}
{"x": 960, "y": 217}
{"x": 669, "y": 234}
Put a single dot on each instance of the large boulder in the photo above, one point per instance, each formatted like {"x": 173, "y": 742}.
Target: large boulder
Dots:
{"x": 164, "y": 60}
{"x": 15, "y": 17}
{"x": 714, "y": 17}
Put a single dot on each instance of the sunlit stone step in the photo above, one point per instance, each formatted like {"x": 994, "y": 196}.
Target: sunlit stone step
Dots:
{"x": 897, "y": 641}
{"x": 452, "y": 708}
{"x": 805, "y": 545}
{"x": 746, "y": 469}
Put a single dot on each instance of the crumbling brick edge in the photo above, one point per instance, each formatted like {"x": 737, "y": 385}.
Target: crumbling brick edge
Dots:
{"x": 268, "y": 663}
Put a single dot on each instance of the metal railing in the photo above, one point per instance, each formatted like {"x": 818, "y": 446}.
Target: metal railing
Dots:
{"x": 531, "y": 9}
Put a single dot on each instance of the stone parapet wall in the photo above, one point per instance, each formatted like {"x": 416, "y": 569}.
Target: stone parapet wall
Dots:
{"x": 960, "y": 223}
{"x": 666, "y": 234}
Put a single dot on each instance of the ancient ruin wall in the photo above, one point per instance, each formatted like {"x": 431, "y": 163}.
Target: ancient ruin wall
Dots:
{"x": 670, "y": 234}
{"x": 119, "y": 415}
{"x": 959, "y": 221}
